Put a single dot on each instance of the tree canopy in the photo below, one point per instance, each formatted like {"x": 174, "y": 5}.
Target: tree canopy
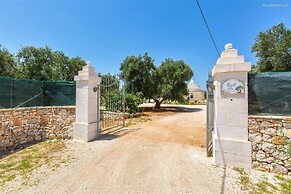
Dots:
{"x": 138, "y": 72}
{"x": 41, "y": 63}
{"x": 166, "y": 82}
{"x": 170, "y": 81}
{"x": 7, "y": 63}
{"x": 273, "y": 49}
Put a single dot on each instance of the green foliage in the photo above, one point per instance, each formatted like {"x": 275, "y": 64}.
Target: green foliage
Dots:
{"x": 170, "y": 81}
{"x": 166, "y": 82}
{"x": 113, "y": 101}
{"x": 46, "y": 64}
{"x": 110, "y": 93}
{"x": 132, "y": 102}
{"x": 39, "y": 63}
{"x": 72, "y": 68}
{"x": 7, "y": 63}
{"x": 137, "y": 71}
{"x": 273, "y": 48}
{"x": 108, "y": 79}
{"x": 111, "y": 98}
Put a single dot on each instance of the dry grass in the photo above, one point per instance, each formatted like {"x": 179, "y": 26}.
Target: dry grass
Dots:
{"x": 137, "y": 119}
{"x": 22, "y": 163}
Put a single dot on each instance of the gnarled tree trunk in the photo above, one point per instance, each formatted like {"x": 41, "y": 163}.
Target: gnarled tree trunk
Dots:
{"x": 158, "y": 104}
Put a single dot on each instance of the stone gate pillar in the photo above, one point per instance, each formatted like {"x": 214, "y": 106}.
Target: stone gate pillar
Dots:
{"x": 231, "y": 145}
{"x": 86, "y": 127}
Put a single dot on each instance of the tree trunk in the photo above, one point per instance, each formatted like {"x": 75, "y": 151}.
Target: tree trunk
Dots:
{"x": 158, "y": 104}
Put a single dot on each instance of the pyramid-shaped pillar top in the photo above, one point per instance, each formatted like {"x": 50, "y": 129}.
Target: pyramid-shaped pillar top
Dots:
{"x": 230, "y": 61}
{"x": 87, "y": 73}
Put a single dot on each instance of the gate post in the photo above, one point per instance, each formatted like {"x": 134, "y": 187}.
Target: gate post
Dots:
{"x": 86, "y": 127}
{"x": 231, "y": 145}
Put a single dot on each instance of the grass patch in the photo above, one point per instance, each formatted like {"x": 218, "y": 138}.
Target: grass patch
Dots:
{"x": 244, "y": 179}
{"x": 282, "y": 185}
{"x": 264, "y": 187}
{"x": 23, "y": 162}
{"x": 240, "y": 170}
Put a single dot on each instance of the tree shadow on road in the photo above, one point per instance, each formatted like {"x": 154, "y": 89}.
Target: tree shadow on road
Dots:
{"x": 172, "y": 109}
{"x": 113, "y": 133}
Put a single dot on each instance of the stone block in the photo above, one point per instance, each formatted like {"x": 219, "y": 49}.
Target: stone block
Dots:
{"x": 232, "y": 146}
{"x": 276, "y": 168}
{"x": 278, "y": 140}
{"x": 85, "y": 132}
{"x": 230, "y": 60}
{"x": 229, "y": 53}
{"x": 232, "y": 153}
{"x": 232, "y": 132}
{"x": 232, "y": 160}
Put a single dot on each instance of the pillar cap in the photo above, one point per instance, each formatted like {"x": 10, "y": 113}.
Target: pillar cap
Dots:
{"x": 230, "y": 61}
{"x": 87, "y": 73}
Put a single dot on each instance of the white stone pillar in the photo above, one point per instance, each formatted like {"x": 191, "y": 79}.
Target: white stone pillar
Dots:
{"x": 231, "y": 145}
{"x": 86, "y": 127}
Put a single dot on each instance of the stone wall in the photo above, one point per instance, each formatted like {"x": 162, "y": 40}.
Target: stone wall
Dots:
{"x": 270, "y": 138}
{"x": 24, "y": 125}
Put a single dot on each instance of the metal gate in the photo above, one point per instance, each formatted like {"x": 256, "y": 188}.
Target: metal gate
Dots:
{"x": 210, "y": 116}
{"x": 111, "y": 98}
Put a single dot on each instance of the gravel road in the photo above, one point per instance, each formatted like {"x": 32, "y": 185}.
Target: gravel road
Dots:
{"x": 163, "y": 155}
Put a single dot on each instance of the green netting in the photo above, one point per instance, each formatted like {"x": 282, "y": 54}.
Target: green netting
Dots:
{"x": 270, "y": 93}
{"x": 28, "y": 93}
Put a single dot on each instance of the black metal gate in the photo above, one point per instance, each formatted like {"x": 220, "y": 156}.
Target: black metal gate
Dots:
{"x": 210, "y": 116}
{"x": 111, "y": 100}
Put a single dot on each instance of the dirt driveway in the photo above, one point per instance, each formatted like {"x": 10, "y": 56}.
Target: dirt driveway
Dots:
{"x": 162, "y": 155}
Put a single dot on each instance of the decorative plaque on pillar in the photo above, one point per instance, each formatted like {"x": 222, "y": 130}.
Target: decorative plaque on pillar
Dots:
{"x": 232, "y": 86}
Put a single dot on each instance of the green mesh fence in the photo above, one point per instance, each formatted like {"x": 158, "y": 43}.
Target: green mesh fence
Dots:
{"x": 270, "y": 93}
{"x": 28, "y": 93}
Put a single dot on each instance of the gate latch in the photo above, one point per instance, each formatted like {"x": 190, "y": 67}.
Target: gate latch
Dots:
{"x": 95, "y": 89}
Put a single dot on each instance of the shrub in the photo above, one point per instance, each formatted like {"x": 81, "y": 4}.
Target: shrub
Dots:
{"x": 132, "y": 101}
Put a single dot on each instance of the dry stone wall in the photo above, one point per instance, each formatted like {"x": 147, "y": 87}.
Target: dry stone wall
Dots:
{"x": 270, "y": 138}
{"x": 25, "y": 125}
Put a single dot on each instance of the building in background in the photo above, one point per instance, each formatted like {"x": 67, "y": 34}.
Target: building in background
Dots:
{"x": 196, "y": 95}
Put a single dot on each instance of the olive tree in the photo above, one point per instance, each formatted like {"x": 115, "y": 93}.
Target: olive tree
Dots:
{"x": 7, "y": 63}
{"x": 273, "y": 49}
{"x": 166, "y": 82}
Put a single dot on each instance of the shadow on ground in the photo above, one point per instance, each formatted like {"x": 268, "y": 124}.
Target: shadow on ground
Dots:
{"x": 15, "y": 149}
{"x": 172, "y": 109}
{"x": 113, "y": 133}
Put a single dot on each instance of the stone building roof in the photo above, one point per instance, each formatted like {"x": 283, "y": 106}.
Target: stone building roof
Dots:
{"x": 192, "y": 87}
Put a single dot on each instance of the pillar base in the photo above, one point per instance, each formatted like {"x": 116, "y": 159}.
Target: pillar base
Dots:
{"x": 234, "y": 153}
{"x": 85, "y": 132}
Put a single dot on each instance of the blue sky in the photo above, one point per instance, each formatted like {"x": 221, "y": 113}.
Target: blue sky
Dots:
{"x": 106, "y": 31}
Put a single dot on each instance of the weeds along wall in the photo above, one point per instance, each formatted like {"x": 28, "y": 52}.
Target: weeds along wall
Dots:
{"x": 29, "y": 93}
